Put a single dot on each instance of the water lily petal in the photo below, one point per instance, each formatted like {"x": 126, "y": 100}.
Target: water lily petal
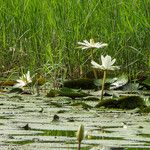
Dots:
{"x": 85, "y": 47}
{"x": 20, "y": 84}
{"x": 19, "y": 80}
{"x": 100, "y": 45}
{"x": 24, "y": 80}
{"x": 114, "y": 68}
{"x": 86, "y": 41}
{"x": 80, "y": 43}
{"x": 28, "y": 78}
{"x": 113, "y": 61}
{"x": 107, "y": 63}
{"x": 96, "y": 65}
{"x": 102, "y": 59}
{"x": 91, "y": 44}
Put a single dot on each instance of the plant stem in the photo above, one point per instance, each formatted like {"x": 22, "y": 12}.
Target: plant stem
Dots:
{"x": 94, "y": 71}
{"x": 79, "y": 145}
{"x": 103, "y": 85}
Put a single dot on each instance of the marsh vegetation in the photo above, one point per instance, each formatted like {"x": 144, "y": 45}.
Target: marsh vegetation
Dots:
{"x": 57, "y": 74}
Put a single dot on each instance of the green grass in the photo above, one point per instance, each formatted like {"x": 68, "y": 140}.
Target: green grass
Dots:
{"x": 45, "y": 33}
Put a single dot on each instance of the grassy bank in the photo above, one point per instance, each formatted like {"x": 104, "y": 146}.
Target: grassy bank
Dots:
{"x": 42, "y": 35}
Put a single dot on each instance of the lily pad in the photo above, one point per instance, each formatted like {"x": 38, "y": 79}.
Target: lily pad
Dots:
{"x": 83, "y": 83}
{"x": 98, "y": 82}
{"x": 103, "y": 126}
{"x": 68, "y": 92}
{"x": 127, "y": 102}
{"x": 121, "y": 81}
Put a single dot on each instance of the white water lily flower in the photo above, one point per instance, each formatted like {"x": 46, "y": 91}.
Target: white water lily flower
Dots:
{"x": 107, "y": 63}
{"x": 23, "y": 81}
{"x": 86, "y": 45}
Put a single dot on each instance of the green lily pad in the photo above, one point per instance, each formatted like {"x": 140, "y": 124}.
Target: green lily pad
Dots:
{"x": 68, "y": 92}
{"x": 121, "y": 81}
{"x": 98, "y": 82}
{"x": 72, "y": 93}
{"x": 83, "y": 83}
{"x": 126, "y": 102}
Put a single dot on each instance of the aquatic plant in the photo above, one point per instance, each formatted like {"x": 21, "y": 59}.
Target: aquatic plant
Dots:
{"x": 107, "y": 64}
{"x": 33, "y": 33}
{"x": 80, "y": 135}
{"x": 125, "y": 102}
{"x": 87, "y": 45}
{"x": 92, "y": 45}
{"x": 23, "y": 80}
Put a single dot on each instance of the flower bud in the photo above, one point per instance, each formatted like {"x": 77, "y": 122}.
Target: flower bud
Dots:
{"x": 80, "y": 133}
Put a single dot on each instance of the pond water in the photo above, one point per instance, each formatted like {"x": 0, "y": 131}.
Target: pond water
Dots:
{"x": 28, "y": 122}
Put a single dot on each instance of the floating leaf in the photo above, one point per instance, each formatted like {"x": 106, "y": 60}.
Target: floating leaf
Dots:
{"x": 131, "y": 87}
{"x": 121, "y": 81}
{"x": 98, "y": 82}
{"x": 127, "y": 102}
{"x": 16, "y": 90}
{"x": 72, "y": 93}
{"x": 82, "y": 83}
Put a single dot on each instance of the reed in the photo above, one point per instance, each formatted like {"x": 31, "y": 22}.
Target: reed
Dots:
{"x": 34, "y": 33}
